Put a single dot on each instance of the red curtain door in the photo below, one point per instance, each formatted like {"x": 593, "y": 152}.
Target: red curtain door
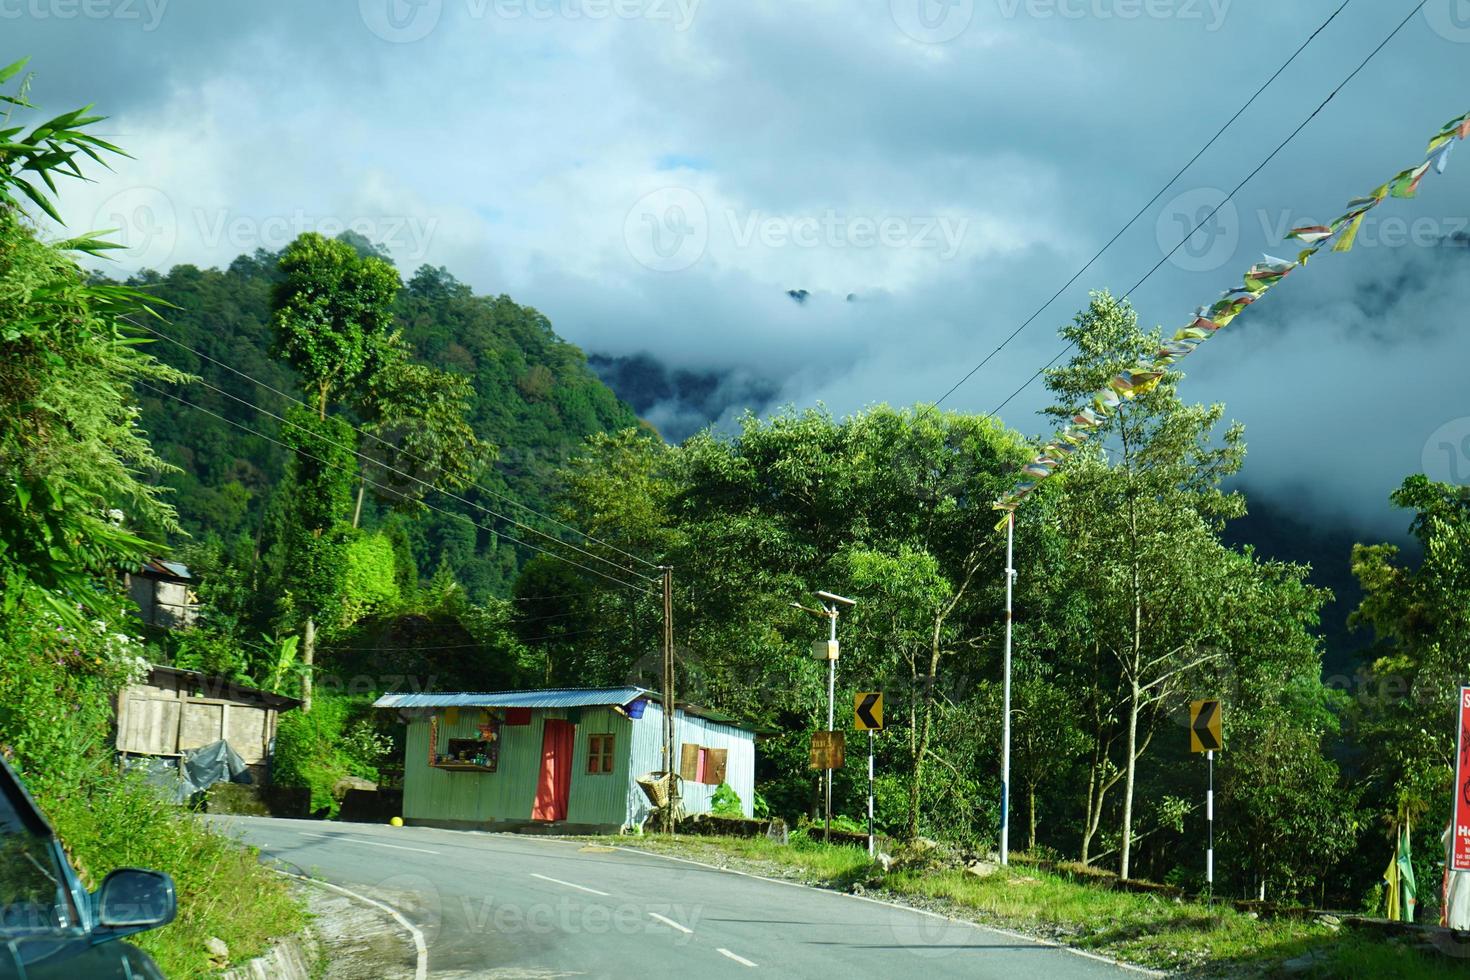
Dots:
{"x": 555, "y": 784}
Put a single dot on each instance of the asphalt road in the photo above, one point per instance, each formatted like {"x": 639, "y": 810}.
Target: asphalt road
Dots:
{"x": 501, "y": 906}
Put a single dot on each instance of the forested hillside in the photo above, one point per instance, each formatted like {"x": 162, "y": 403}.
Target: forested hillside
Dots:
{"x": 534, "y": 399}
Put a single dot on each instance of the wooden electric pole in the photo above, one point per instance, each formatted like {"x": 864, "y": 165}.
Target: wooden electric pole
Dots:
{"x": 670, "y": 759}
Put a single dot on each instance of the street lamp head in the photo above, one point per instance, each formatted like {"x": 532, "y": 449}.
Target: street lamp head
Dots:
{"x": 835, "y": 598}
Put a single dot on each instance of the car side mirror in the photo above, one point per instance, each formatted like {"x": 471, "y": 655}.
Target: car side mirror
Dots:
{"x": 134, "y": 900}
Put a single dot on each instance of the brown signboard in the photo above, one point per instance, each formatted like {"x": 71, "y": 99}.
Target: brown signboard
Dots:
{"x": 827, "y": 750}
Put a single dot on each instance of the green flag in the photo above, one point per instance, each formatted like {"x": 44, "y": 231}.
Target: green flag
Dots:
{"x": 1406, "y": 874}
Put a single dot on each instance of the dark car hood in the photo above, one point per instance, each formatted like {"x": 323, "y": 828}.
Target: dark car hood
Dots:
{"x": 36, "y": 958}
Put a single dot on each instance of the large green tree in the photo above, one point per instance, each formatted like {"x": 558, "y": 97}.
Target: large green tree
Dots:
{"x": 1142, "y": 521}
{"x": 333, "y": 320}
{"x": 890, "y": 506}
{"x": 1420, "y": 620}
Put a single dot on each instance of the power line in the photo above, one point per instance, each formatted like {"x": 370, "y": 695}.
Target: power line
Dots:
{"x": 482, "y": 489}
{"x": 392, "y": 469}
{"x": 1143, "y": 210}
{"x": 538, "y": 598}
{"x": 400, "y": 493}
{"x": 601, "y": 630}
{"x": 1281, "y": 146}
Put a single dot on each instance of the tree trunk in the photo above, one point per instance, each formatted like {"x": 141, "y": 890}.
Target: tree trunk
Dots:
{"x": 1128, "y": 781}
{"x": 308, "y": 657}
{"x": 1135, "y": 664}
{"x": 1087, "y": 824}
{"x": 357, "y": 511}
{"x": 926, "y": 722}
{"x": 1098, "y": 784}
{"x": 1031, "y": 795}
{"x": 921, "y": 750}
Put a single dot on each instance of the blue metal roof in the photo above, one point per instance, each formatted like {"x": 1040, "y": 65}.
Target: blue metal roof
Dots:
{"x": 567, "y": 697}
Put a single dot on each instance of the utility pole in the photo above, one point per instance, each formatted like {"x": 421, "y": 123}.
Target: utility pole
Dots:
{"x": 1005, "y": 737}
{"x": 670, "y": 765}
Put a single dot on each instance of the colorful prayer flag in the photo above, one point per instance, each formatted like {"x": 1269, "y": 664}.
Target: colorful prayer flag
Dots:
{"x": 1209, "y": 320}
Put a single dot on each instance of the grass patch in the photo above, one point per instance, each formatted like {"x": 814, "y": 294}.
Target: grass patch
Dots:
{"x": 1144, "y": 929}
{"x": 222, "y": 889}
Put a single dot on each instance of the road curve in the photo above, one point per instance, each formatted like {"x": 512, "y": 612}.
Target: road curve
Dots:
{"x": 502, "y": 906}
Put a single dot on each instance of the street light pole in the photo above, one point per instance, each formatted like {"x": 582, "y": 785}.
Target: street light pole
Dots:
{"x": 831, "y": 603}
{"x": 831, "y": 694}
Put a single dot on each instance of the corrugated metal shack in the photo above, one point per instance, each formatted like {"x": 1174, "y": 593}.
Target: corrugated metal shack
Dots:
{"x": 566, "y": 758}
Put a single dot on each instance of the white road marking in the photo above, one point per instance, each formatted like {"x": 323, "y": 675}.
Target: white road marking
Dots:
{"x": 421, "y": 970}
{"x": 670, "y": 922}
{"x": 1037, "y": 940}
{"x": 738, "y": 959}
{"x": 370, "y": 843}
{"x": 580, "y": 888}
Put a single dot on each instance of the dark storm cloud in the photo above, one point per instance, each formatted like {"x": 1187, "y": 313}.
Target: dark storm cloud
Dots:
{"x": 655, "y": 175}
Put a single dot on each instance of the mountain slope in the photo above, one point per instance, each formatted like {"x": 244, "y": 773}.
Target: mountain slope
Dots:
{"x": 535, "y": 398}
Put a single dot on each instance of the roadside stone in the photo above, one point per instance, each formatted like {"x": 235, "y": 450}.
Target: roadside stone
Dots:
{"x": 341, "y": 786}
{"x": 885, "y": 861}
{"x": 923, "y": 854}
{"x": 1330, "y": 921}
{"x": 982, "y": 869}
{"x": 1305, "y": 963}
{"x": 218, "y": 950}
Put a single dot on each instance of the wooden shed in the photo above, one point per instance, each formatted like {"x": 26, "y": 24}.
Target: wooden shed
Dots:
{"x": 164, "y": 593}
{"x": 567, "y": 759}
{"x": 176, "y": 710}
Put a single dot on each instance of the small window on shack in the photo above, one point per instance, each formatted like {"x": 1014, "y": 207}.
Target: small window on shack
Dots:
{"x": 600, "y": 754}
{"x": 481, "y": 754}
{"x": 701, "y": 764}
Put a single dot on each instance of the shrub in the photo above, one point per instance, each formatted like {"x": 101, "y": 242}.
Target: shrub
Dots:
{"x": 118, "y": 821}
{"x": 318, "y": 748}
{"x": 726, "y": 802}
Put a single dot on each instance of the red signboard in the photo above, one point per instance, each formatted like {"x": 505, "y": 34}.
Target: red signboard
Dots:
{"x": 1460, "y": 852}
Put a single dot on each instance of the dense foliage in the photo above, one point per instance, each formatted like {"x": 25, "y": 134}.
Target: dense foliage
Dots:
{"x": 71, "y": 454}
{"x": 529, "y": 393}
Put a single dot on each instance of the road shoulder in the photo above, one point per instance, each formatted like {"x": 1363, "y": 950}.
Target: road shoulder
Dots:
{"x": 357, "y": 938}
{"x": 705, "y": 852}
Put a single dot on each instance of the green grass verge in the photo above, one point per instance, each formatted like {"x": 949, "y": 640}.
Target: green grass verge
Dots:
{"x": 1146, "y": 930}
{"x": 222, "y": 889}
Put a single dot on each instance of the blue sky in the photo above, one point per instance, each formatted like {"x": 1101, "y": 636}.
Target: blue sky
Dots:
{"x": 656, "y": 174}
